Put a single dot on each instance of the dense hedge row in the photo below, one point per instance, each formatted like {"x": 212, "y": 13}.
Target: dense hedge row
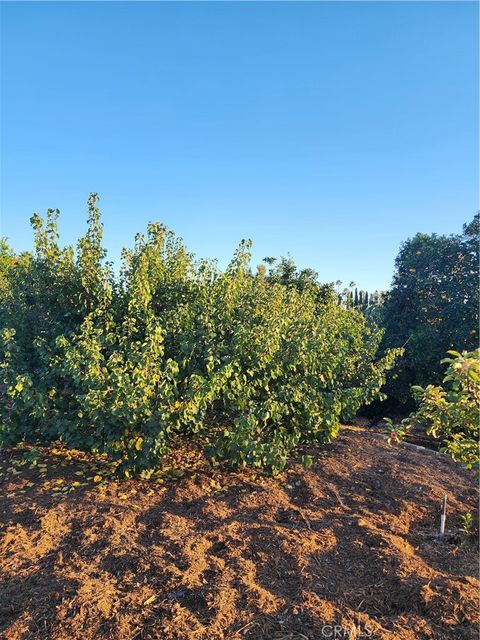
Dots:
{"x": 120, "y": 364}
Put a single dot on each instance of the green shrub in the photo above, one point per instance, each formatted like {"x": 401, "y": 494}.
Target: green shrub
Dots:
{"x": 450, "y": 412}
{"x": 248, "y": 367}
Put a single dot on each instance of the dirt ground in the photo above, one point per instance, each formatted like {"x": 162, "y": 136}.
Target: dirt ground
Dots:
{"x": 346, "y": 549}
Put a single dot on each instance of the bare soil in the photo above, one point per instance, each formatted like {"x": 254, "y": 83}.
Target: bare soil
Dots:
{"x": 347, "y": 549}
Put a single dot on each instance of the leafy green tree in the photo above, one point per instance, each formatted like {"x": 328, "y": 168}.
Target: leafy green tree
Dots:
{"x": 248, "y": 366}
{"x": 432, "y": 307}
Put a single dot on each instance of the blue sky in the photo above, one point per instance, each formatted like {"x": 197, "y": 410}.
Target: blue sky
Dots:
{"x": 332, "y": 131}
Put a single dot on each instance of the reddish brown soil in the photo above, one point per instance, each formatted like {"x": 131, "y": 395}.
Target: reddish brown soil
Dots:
{"x": 215, "y": 555}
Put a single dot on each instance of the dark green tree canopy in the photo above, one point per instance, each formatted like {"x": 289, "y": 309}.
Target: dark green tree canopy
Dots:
{"x": 432, "y": 306}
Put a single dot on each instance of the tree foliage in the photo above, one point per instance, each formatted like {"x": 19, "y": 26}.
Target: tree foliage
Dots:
{"x": 247, "y": 365}
{"x": 451, "y": 411}
{"x": 432, "y": 307}
{"x": 284, "y": 271}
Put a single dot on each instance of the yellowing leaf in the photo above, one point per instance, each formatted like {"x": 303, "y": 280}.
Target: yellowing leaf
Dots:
{"x": 138, "y": 443}
{"x": 97, "y": 478}
{"x": 149, "y": 600}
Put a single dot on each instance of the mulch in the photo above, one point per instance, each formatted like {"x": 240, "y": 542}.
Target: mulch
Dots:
{"x": 345, "y": 549}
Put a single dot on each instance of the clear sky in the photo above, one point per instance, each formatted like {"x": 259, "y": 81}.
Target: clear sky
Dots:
{"x": 330, "y": 131}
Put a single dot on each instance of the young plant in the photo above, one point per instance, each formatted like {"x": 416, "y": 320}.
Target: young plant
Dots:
{"x": 467, "y": 525}
{"x": 395, "y": 432}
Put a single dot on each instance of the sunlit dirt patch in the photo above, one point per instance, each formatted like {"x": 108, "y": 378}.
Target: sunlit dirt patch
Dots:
{"x": 199, "y": 553}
